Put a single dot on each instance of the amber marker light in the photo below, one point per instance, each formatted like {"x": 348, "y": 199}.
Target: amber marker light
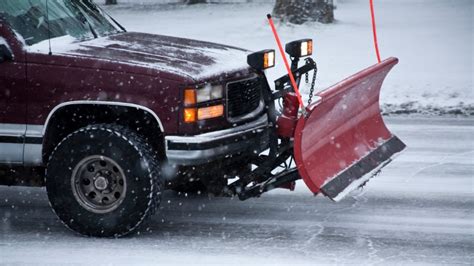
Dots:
{"x": 262, "y": 60}
{"x": 300, "y": 48}
{"x": 307, "y": 48}
{"x": 269, "y": 59}
{"x": 210, "y": 112}
{"x": 189, "y": 97}
{"x": 190, "y": 115}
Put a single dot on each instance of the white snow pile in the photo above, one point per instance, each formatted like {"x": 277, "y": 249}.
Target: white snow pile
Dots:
{"x": 432, "y": 39}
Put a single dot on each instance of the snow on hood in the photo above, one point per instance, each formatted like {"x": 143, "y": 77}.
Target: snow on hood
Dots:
{"x": 196, "y": 59}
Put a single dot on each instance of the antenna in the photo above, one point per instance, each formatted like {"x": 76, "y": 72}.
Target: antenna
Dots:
{"x": 49, "y": 29}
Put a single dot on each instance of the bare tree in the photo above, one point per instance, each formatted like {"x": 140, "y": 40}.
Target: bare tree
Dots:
{"x": 110, "y": 2}
{"x": 301, "y": 11}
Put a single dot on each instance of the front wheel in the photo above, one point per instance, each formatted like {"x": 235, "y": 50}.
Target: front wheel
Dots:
{"x": 103, "y": 180}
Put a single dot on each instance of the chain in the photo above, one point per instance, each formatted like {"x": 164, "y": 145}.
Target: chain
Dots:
{"x": 313, "y": 82}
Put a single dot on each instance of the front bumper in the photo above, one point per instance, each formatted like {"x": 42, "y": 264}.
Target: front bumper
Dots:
{"x": 250, "y": 138}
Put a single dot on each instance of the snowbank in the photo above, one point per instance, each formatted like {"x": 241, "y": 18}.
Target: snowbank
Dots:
{"x": 432, "y": 38}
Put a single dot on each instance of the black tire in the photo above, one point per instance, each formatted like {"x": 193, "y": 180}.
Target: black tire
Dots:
{"x": 134, "y": 183}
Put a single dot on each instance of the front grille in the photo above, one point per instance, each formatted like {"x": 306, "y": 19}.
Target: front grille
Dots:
{"x": 243, "y": 97}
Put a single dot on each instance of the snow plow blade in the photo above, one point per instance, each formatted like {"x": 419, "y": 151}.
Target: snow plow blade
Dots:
{"x": 343, "y": 141}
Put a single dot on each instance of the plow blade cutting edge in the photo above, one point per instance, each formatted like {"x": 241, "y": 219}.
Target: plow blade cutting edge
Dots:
{"x": 343, "y": 141}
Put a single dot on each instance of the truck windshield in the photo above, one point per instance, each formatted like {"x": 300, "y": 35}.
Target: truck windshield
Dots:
{"x": 80, "y": 19}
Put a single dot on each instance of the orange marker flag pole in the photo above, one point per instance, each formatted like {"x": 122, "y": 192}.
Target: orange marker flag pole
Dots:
{"x": 290, "y": 74}
{"x": 374, "y": 30}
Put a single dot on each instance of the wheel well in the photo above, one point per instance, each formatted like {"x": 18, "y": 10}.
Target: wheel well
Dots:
{"x": 70, "y": 118}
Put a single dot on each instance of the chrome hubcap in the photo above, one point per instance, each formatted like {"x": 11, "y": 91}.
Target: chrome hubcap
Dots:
{"x": 98, "y": 184}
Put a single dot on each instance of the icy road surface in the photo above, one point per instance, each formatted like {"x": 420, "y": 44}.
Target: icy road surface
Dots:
{"x": 420, "y": 210}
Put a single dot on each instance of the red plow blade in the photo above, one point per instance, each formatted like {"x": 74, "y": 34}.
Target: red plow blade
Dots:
{"x": 343, "y": 141}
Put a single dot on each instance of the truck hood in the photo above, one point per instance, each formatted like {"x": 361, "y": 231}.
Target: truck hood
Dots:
{"x": 190, "y": 58}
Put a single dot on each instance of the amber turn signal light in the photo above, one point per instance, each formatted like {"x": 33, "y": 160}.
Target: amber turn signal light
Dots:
{"x": 190, "y": 115}
{"x": 189, "y": 97}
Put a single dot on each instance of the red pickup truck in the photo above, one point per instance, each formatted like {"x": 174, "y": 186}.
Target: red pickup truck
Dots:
{"x": 107, "y": 119}
{"x": 150, "y": 105}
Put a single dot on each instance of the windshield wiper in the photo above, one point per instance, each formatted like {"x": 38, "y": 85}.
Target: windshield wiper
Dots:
{"x": 92, "y": 30}
{"x": 85, "y": 20}
{"x": 111, "y": 18}
{"x": 118, "y": 24}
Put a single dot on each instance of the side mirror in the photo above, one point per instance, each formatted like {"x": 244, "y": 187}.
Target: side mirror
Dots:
{"x": 5, "y": 53}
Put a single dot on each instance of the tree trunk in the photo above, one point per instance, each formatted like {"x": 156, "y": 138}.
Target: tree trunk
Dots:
{"x": 110, "y": 2}
{"x": 301, "y": 11}
{"x": 192, "y": 2}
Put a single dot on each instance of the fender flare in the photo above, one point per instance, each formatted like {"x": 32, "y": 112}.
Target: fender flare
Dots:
{"x": 83, "y": 102}
{"x": 47, "y": 124}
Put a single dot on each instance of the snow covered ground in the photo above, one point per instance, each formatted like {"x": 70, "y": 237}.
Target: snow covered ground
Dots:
{"x": 432, "y": 38}
{"x": 418, "y": 211}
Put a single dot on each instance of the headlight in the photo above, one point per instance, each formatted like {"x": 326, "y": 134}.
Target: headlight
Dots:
{"x": 300, "y": 48}
{"x": 192, "y": 97}
{"x": 209, "y": 93}
{"x": 205, "y": 94}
